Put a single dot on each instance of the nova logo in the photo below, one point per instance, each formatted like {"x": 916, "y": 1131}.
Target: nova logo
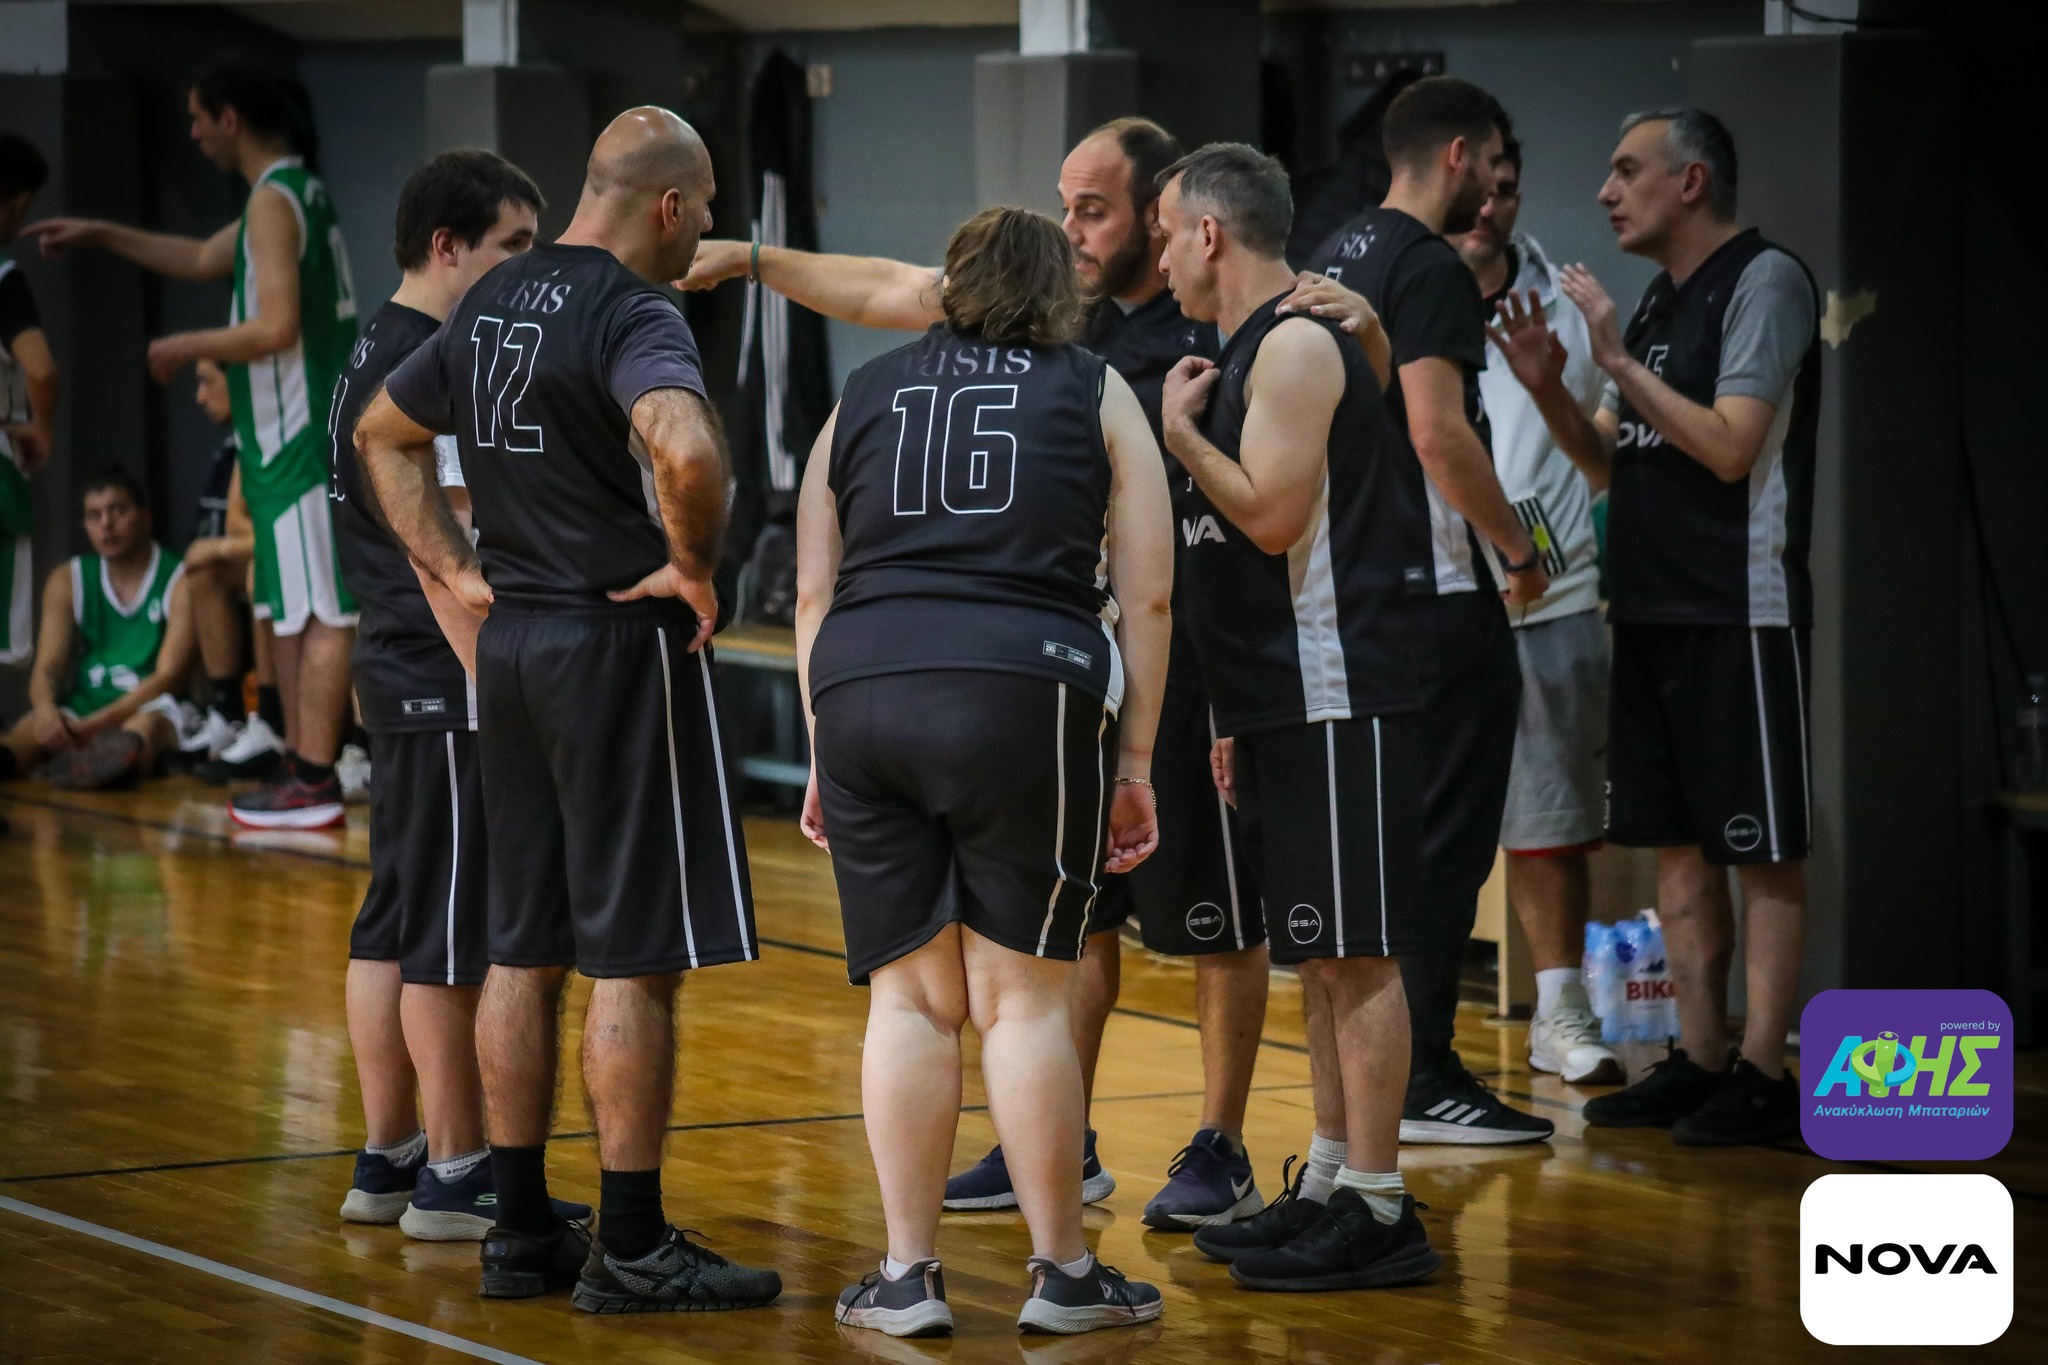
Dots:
{"x": 1906, "y": 1260}
{"x": 1892, "y": 1258}
{"x": 1201, "y": 528}
{"x": 1641, "y": 435}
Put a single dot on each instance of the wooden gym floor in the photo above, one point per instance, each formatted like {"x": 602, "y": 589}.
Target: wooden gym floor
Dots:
{"x": 178, "y": 1115}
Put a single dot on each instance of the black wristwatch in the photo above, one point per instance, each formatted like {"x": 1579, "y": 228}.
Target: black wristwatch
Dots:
{"x": 1535, "y": 558}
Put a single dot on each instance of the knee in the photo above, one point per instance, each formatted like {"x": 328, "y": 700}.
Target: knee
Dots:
{"x": 526, "y": 983}
{"x": 943, "y": 1012}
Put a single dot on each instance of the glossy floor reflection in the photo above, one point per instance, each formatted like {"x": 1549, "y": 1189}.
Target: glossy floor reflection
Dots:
{"x": 174, "y": 1067}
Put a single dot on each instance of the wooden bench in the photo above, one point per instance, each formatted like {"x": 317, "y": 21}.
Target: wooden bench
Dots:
{"x": 771, "y": 650}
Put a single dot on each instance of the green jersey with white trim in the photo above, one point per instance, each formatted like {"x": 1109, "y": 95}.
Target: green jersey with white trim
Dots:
{"x": 117, "y": 641}
{"x": 281, "y": 400}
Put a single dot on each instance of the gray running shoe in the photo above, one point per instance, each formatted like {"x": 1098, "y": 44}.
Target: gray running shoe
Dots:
{"x": 914, "y": 1306}
{"x": 678, "y": 1276}
{"x": 1098, "y": 1297}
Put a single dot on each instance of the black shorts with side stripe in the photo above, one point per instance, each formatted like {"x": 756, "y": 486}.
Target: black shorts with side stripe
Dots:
{"x": 1196, "y": 894}
{"x": 1707, "y": 741}
{"x": 1331, "y": 815}
{"x": 966, "y": 796}
{"x": 429, "y": 881}
{"x": 615, "y": 845}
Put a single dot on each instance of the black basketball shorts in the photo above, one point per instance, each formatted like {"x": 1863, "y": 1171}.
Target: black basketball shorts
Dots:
{"x": 1707, "y": 741}
{"x": 1471, "y": 705}
{"x": 963, "y": 796}
{"x": 1196, "y": 894}
{"x": 429, "y": 882}
{"x": 1331, "y": 818}
{"x": 615, "y": 845}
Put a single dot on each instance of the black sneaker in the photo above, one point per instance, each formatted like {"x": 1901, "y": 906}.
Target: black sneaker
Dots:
{"x": 914, "y": 1306}
{"x": 678, "y": 1276}
{"x": 1749, "y": 1107}
{"x": 1347, "y": 1248}
{"x": 1277, "y": 1224}
{"x": 1674, "y": 1088}
{"x": 1098, "y": 1297}
{"x": 520, "y": 1265}
{"x": 1459, "y": 1108}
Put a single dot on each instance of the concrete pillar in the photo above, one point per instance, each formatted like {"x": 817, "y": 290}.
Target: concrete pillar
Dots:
{"x": 537, "y": 117}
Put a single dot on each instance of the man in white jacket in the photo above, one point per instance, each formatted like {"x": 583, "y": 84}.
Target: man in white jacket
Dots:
{"x": 1555, "y": 807}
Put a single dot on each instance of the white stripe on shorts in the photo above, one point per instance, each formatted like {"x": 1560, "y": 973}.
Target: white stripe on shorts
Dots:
{"x": 1336, "y": 860}
{"x": 1229, "y": 847}
{"x": 1095, "y": 846}
{"x": 732, "y": 854}
{"x": 675, "y": 790}
{"x": 1379, "y": 832}
{"x": 1763, "y": 730}
{"x": 1059, "y": 827}
{"x": 454, "y": 849}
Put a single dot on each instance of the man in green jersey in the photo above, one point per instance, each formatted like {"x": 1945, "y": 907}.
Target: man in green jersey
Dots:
{"x": 28, "y": 401}
{"x": 287, "y": 341}
{"x": 116, "y": 638}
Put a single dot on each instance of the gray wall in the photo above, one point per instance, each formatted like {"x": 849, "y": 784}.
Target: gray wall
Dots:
{"x": 894, "y": 149}
{"x": 1567, "y": 72}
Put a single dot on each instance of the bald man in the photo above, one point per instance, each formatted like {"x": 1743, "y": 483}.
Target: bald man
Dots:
{"x": 596, "y": 467}
{"x": 1196, "y": 897}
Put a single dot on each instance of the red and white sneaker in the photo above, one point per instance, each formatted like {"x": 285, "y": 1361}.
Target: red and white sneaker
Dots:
{"x": 290, "y": 803}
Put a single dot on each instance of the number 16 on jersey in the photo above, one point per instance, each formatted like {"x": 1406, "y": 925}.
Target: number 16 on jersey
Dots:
{"x": 977, "y": 458}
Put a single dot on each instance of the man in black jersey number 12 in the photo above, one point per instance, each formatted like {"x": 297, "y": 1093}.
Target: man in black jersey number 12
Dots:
{"x": 1710, "y": 416}
{"x": 598, "y": 477}
{"x": 1299, "y": 592}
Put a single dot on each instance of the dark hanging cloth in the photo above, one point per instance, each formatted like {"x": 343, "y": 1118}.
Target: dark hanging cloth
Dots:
{"x": 785, "y": 376}
{"x": 1331, "y": 196}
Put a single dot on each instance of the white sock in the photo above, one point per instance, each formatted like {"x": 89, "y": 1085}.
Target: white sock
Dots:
{"x": 456, "y": 1167}
{"x": 1074, "y": 1270}
{"x": 1381, "y": 1191}
{"x": 894, "y": 1269}
{"x": 1325, "y": 1159}
{"x": 403, "y": 1153}
{"x": 1564, "y": 986}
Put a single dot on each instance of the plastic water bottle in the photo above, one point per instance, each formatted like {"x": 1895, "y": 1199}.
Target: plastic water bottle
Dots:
{"x": 1603, "y": 979}
{"x": 2030, "y": 748}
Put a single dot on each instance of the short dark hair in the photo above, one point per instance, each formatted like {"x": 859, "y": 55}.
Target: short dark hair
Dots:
{"x": 1242, "y": 187}
{"x": 269, "y": 102}
{"x": 113, "y": 476}
{"x": 1511, "y": 152}
{"x": 22, "y": 167}
{"x": 1010, "y": 278}
{"x": 462, "y": 190}
{"x": 1696, "y": 135}
{"x": 1424, "y": 118}
{"x": 1150, "y": 150}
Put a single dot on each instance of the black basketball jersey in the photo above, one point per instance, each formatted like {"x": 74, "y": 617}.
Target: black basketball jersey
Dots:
{"x": 1142, "y": 345}
{"x": 972, "y": 488}
{"x": 406, "y": 676}
{"x": 1683, "y": 545}
{"x": 1429, "y": 303}
{"x": 1328, "y": 630}
{"x": 536, "y": 373}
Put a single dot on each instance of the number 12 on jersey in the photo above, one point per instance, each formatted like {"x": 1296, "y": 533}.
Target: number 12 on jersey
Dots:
{"x": 977, "y": 458}
{"x": 499, "y": 374}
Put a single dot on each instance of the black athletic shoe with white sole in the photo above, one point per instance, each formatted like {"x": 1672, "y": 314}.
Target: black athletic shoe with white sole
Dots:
{"x": 1749, "y": 1107}
{"x": 1098, "y": 1297}
{"x": 678, "y": 1276}
{"x": 1458, "y": 1108}
{"x": 1277, "y": 1224}
{"x": 521, "y": 1265}
{"x": 914, "y": 1306}
{"x": 1673, "y": 1088}
{"x": 1347, "y": 1248}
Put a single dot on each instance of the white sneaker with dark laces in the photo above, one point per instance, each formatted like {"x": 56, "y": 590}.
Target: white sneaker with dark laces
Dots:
{"x": 1566, "y": 1042}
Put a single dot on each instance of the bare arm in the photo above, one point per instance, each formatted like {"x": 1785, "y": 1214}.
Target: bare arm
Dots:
{"x": 33, "y": 439}
{"x": 174, "y": 659}
{"x": 868, "y": 291}
{"x": 817, "y": 575}
{"x": 1141, "y": 574}
{"x": 686, "y": 447}
{"x": 398, "y": 460}
{"x": 165, "y": 253}
{"x": 53, "y": 662}
{"x": 459, "y": 625}
{"x": 1462, "y": 472}
{"x": 1269, "y": 492}
{"x": 273, "y": 246}
{"x": 1323, "y": 296}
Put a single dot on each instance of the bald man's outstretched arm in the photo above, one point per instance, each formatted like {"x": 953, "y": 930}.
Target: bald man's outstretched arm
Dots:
{"x": 868, "y": 291}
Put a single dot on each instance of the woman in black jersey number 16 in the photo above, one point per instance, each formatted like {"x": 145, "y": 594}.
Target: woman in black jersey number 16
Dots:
{"x": 982, "y": 718}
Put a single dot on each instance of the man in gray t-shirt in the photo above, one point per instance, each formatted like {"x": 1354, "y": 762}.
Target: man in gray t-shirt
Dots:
{"x": 1709, "y": 427}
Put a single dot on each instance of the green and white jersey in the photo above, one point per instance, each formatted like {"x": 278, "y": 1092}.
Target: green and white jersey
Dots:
{"x": 281, "y": 400}
{"x": 117, "y": 641}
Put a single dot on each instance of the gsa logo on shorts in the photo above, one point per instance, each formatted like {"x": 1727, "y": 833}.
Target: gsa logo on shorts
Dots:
{"x": 1304, "y": 924}
{"x": 1205, "y": 921}
{"x": 1743, "y": 833}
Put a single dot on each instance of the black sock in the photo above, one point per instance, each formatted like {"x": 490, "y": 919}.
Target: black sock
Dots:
{"x": 270, "y": 707}
{"x": 7, "y": 764}
{"x": 225, "y": 696}
{"x": 311, "y": 773}
{"x": 520, "y": 1176}
{"x": 630, "y": 1219}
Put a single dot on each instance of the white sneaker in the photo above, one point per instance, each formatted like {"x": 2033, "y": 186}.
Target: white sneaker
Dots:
{"x": 1566, "y": 1042}
{"x": 256, "y": 740}
{"x": 353, "y": 768}
{"x": 210, "y": 733}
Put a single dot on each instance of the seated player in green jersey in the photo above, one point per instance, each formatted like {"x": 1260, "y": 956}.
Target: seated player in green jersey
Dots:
{"x": 116, "y": 637}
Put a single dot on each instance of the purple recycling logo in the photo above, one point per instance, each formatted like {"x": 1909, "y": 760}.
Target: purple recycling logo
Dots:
{"x": 1906, "y": 1075}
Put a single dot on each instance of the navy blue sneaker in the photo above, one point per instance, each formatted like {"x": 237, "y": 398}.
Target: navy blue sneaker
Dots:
{"x": 986, "y": 1184}
{"x": 381, "y": 1189}
{"x": 464, "y": 1210}
{"x": 1210, "y": 1182}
